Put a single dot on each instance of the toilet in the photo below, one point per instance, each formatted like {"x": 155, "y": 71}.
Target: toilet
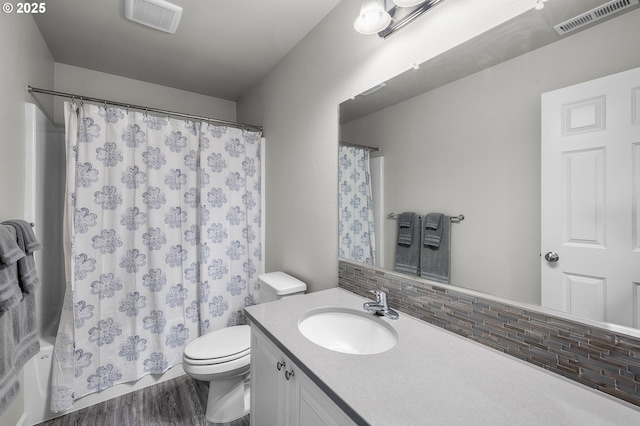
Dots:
{"x": 222, "y": 357}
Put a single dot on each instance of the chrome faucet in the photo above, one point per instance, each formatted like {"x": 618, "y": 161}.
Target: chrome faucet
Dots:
{"x": 380, "y": 306}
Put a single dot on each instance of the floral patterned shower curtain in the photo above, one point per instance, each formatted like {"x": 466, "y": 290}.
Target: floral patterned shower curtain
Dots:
{"x": 355, "y": 201}
{"x": 163, "y": 227}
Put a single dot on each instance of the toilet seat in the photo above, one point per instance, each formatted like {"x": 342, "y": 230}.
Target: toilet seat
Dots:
{"x": 219, "y": 360}
{"x": 217, "y": 371}
{"x": 220, "y": 346}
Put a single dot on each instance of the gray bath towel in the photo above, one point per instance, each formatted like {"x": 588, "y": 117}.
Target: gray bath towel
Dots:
{"x": 433, "y": 230}
{"x": 408, "y": 255}
{"x": 27, "y": 273}
{"x": 18, "y": 343}
{"x": 10, "y": 254}
{"x": 435, "y": 261}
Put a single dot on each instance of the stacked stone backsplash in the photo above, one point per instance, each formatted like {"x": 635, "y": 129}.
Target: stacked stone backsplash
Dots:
{"x": 596, "y": 357}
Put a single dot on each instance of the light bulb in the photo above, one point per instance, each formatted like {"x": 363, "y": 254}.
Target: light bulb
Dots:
{"x": 540, "y": 4}
{"x": 373, "y": 17}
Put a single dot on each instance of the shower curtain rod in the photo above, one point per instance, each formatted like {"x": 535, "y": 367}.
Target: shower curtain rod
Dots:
{"x": 146, "y": 109}
{"x": 355, "y": 145}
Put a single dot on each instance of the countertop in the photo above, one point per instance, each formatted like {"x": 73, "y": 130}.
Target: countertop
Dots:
{"x": 432, "y": 376}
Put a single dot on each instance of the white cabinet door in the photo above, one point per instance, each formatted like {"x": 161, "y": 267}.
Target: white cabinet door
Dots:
{"x": 312, "y": 407}
{"x": 281, "y": 395}
{"x": 591, "y": 198}
{"x": 269, "y": 392}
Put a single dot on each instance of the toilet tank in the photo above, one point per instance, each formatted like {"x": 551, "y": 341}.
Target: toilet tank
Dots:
{"x": 278, "y": 285}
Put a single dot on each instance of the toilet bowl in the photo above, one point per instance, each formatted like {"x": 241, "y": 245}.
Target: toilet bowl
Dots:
{"x": 222, "y": 357}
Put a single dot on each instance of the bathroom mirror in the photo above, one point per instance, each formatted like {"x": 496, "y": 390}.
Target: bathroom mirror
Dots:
{"x": 462, "y": 135}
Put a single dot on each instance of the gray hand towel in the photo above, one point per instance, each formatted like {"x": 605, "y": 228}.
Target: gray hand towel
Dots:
{"x": 405, "y": 230}
{"x": 27, "y": 273}
{"x": 408, "y": 255}
{"x": 10, "y": 253}
{"x": 433, "y": 230}
{"x": 435, "y": 261}
{"x": 31, "y": 244}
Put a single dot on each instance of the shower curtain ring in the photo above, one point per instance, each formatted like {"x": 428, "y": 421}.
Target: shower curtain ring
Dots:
{"x": 105, "y": 104}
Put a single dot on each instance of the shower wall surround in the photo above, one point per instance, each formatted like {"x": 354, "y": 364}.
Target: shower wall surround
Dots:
{"x": 596, "y": 357}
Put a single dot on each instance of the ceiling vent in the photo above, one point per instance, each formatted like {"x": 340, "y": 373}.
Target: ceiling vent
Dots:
{"x": 594, "y": 15}
{"x": 157, "y": 14}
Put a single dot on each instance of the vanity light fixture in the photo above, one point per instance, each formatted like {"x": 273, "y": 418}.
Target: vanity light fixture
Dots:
{"x": 385, "y": 17}
{"x": 373, "y": 17}
{"x": 408, "y": 3}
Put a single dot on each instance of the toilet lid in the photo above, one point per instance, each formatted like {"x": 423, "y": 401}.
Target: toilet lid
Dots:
{"x": 220, "y": 343}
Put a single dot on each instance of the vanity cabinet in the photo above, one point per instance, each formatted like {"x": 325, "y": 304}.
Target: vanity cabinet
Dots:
{"x": 282, "y": 395}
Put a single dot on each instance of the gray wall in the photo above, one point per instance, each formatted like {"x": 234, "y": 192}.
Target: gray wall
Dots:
{"x": 297, "y": 103}
{"x": 25, "y": 60}
{"x": 100, "y": 85}
{"x": 473, "y": 147}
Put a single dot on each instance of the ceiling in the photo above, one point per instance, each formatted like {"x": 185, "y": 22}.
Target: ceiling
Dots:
{"x": 221, "y": 48}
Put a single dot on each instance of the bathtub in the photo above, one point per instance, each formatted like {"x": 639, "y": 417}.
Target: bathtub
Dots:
{"x": 36, "y": 386}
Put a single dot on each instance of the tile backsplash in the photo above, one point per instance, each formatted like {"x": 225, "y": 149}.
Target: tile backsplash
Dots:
{"x": 596, "y": 357}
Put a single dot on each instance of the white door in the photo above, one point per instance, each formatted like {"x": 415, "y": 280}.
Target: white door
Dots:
{"x": 591, "y": 199}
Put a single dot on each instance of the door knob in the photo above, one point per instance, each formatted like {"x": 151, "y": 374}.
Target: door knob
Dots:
{"x": 551, "y": 257}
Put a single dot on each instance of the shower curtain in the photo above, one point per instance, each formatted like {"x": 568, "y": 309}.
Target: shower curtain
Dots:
{"x": 355, "y": 201}
{"x": 163, "y": 227}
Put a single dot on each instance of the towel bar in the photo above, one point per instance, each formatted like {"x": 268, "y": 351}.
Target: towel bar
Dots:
{"x": 454, "y": 219}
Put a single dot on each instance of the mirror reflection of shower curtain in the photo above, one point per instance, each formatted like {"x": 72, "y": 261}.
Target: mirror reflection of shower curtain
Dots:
{"x": 163, "y": 243}
{"x": 355, "y": 203}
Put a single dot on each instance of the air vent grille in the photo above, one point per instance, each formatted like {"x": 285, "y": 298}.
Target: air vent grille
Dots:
{"x": 157, "y": 14}
{"x": 594, "y": 15}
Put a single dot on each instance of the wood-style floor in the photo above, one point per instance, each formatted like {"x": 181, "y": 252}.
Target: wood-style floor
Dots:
{"x": 180, "y": 402}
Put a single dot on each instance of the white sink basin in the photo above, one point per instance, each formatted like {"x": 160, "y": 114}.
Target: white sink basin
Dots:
{"x": 348, "y": 331}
